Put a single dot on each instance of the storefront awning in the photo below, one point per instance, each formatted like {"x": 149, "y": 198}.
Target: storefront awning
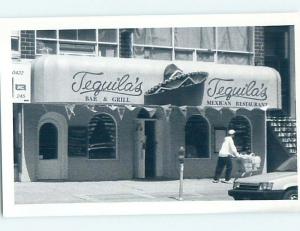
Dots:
{"x": 77, "y": 79}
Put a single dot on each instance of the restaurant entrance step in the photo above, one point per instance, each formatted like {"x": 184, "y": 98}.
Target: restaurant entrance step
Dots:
{"x": 281, "y": 140}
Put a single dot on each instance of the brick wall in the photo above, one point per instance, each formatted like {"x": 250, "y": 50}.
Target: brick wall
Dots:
{"x": 126, "y": 43}
{"x": 259, "y": 48}
{"x": 27, "y": 44}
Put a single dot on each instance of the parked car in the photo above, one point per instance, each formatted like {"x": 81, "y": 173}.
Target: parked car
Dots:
{"x": 278, "y": 185}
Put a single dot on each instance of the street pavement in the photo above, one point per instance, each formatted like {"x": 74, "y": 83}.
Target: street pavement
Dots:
{"x": 119, "y": 191}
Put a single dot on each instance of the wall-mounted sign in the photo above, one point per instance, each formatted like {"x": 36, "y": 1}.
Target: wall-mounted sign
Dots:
{"x": 21, "y": 75}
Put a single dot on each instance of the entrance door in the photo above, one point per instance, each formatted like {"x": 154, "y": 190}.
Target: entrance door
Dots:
{"x": 150, "y": 148}
{"x": 140, "y": 145}
{"x": 49, "y": 158}
{"x": 145, "y": 148}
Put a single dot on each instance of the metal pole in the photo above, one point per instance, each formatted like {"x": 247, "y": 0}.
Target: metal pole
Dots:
{"x": 181, "y": 182}
{"x": 265, "y": 141}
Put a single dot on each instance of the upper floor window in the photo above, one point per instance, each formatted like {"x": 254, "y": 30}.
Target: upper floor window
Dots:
{"x": 229, "y": 45}
{"x": 15, "y": 44}
{"x": 102, "y": 42}
{"x": 194, "y": 43}
{"x": 108, "y": 40}
{"x": 152, "y": 43}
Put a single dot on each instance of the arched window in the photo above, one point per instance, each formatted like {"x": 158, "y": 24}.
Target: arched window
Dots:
{"x": 197, "y": 137}
{"x": 242, "y": 138}
{"x": 102, "y": 137}
{"x": 48, "y": 141}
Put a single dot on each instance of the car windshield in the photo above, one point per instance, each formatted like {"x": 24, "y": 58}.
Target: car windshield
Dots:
{"x": 290, "y": 165}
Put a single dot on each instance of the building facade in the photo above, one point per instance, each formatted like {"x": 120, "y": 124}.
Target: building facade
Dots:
{"x": 122, "y": 127}
{"x": 271, "y": 46}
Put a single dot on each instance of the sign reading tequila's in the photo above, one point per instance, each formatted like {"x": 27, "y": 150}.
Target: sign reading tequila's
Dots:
{"x": 236, "y": 93}
{"x": 95, "y": 87}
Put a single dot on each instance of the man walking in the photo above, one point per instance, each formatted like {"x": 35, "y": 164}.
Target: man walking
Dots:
{"x": 227, "y": 151}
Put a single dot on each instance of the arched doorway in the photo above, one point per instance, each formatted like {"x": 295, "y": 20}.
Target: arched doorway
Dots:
{"x": 52, "y": 147}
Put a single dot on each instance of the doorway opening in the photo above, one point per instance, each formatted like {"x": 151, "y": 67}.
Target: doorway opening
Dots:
{"x": 278, "y": 55}
{"x": 150, "y": 149}
{"x": 145, "y": 146}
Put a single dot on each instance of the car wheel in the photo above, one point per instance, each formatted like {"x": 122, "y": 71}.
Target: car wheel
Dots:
{"x": 291, "y": 194}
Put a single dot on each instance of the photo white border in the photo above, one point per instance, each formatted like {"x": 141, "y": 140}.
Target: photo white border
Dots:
{"x": 10, "y": 209}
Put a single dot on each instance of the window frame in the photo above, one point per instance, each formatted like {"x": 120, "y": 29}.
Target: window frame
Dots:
{"x": 96, "y": 43}
{"x": 16, "y": 35}
{"x": 215, "y": 52}
{"x": 164, "y": 47}
{"x": 116, "y": 138}
{"x": 57, "y": 142}
{"x": 208, "y": 141}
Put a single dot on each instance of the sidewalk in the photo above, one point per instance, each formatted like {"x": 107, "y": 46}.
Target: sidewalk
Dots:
{"x": 117, "y": 191}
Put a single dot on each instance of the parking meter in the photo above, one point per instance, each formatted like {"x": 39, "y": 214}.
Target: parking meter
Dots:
{"x": 181, "y": 154}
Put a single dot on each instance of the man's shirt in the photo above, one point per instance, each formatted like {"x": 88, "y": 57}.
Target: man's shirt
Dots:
{"x": 228, "y": 148}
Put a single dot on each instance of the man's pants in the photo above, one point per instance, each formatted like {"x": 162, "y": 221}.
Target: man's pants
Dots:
{"x": 222, "y": 162}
